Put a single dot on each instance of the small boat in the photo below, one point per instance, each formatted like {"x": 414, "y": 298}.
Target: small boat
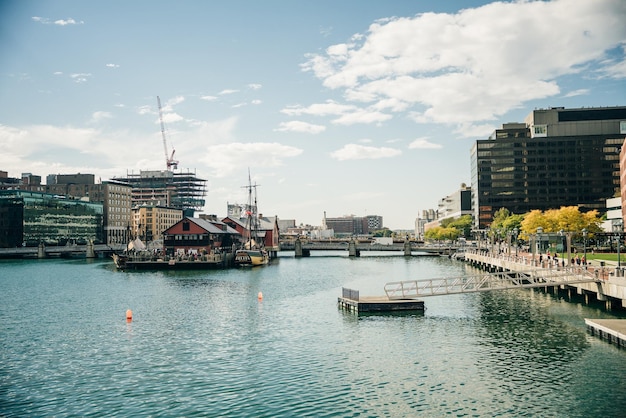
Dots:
{"x": 253, "y": 257}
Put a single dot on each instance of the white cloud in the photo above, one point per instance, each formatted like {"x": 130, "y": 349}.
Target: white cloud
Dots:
{"x": 209, "y": 98}
{"x": 362, "y": 152}
{"x": 299, "y": 126}
{"x": 474, "y": 65}
{"x": 254, "y": 86}
{"x": 59, "y": 22}
{"x": 423, "y": 143}
{"x": 227, "y": 159}
{"x": 361, "y": 116}
{"x": 347, "y": 114}
{"x": 227, "y": 91}
{"x": 616, "y": 67}
{"x": 65, "y": 22}
{"x": 579, "y": 92}
{"x": 319, "y": 109}
{"x": 110, "y": 65}
{"x": 80, "y": 77}
{"x": 99, "y": 116}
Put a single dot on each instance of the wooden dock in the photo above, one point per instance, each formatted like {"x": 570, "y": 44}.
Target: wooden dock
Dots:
{"x": 612, "y": 330}
{"x": 352, "y": 301}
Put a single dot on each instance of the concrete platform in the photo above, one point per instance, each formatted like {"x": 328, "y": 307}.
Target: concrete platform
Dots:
{"x": 612, "y": 330}
{"x": 379, "y": 304}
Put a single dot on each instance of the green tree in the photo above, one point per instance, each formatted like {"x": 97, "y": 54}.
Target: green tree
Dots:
{"x": 464, "y": 225}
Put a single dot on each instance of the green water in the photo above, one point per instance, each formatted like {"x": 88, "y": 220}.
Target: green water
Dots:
{"x": 202, "y": 344}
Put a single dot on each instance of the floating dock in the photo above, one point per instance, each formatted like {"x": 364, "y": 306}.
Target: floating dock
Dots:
{"x": 350, "y": 300}
{"x": 612, "y": 330}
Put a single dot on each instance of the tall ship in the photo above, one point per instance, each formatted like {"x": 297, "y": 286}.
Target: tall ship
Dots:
{"x": 253, "y": 251}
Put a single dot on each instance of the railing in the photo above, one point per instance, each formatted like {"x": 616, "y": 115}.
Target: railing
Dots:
{"x": 410, "y": 289}
{"x": 349, "y": 294}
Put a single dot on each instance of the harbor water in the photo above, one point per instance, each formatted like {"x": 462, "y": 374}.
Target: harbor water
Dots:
{"x": 206, "y": 344}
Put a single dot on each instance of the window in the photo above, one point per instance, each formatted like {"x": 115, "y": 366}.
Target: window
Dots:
{"x": 540, "y": 131}
{"x": 185, "y": 226}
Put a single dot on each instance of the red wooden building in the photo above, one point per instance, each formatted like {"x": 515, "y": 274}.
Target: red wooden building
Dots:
{"x": 200, "y": 236}
{"x": 267, "y": 230}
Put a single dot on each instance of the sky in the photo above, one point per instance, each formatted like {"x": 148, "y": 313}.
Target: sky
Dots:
{"x": 336, "y": 108}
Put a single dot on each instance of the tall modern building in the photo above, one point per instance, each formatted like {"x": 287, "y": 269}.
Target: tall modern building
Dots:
{"x": 558, "y": 157}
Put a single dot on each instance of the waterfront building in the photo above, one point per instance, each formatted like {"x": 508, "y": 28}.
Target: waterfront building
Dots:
{"x": 453, "y": 206}
{"x": 51, "y": 219}
{"x": 180, "y": 190}
{"x": 150, "y": 222}
{"x": 199, "y": 236}
{"x": 622, "y": 174}
{"x": 8, "y": 183}
{"x": 353, "y": 225}
{"x": 557, "y": 157}
{"x": 427, "y": 216}
{"x": 374, "y": 222}
{"x": 11, "y": 220}
{"x": 266, "y": 229}
{"x": 116, "y": 199}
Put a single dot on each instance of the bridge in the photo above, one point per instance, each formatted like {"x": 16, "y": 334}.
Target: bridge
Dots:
{"x": 42, "y": 251}
{"x": 411, "y": 289}
{"x": 354, "y": 247}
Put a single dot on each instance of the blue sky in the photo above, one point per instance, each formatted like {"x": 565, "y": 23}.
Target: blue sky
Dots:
{"x": 347, "y": 107}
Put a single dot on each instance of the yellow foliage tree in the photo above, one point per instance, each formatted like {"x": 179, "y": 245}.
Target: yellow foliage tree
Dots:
{"x": 567, "y": 219}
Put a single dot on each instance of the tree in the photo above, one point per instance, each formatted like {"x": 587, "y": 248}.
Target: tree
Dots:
{"x": 439, "y": 233}
{"x": 464, "y": 225}
{"x": 566, "y": 219}
{"x": 504, "y": 222}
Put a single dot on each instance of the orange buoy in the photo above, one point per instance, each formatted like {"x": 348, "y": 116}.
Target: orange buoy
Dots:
{"x": 129, "y": 315}
{"x": 260, "y": 296}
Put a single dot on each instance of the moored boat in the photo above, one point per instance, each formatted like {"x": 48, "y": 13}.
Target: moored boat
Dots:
{"x": 148, "y": 261}
{"x": 252, "y": 253}
{"x": 258, "y": 257}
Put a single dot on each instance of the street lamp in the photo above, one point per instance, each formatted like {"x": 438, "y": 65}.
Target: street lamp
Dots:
{"x": 584, "y": 246}
{"x": 539, "y": 232}
{"x": 562, "y": 234}
{"x": 617, "y": 228}
{"x": 515, "y": 232}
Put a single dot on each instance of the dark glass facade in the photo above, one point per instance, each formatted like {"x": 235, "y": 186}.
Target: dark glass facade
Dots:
{"x": 515, "y": 171}
{"x": 54, "y": 220}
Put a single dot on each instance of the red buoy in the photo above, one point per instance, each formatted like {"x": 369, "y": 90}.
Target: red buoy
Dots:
{"x": 129, "y": 315}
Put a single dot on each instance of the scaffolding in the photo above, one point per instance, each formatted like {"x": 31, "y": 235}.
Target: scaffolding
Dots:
{"x": 180, "y": 190}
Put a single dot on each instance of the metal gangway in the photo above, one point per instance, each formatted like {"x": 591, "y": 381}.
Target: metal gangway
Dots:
{"x": 411, "y": 289}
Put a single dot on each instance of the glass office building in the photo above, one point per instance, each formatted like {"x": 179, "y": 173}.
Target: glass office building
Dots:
{"x": 558, "y": 157}
{"x": 51, "y": 219}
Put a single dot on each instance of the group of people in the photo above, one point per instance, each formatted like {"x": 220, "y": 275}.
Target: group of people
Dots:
{"x": 554, "y": 258}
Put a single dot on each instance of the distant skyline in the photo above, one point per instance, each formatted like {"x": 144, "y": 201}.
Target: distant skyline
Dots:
{"x": 348, "y": 108}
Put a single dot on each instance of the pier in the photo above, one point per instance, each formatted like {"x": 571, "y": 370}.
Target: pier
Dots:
{"x": 350, "y": 300}
{"x": 604, "y": 284}
{"x": 612, "y": 330}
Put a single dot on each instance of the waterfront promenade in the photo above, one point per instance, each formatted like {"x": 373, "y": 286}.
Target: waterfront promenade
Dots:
{"x": 609, "y": 285}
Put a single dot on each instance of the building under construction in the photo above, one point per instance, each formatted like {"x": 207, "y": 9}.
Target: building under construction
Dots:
{"x": 180, "y": 190}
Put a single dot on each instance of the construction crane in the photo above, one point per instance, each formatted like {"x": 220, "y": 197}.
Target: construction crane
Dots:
{"x": 170, "y": 162}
